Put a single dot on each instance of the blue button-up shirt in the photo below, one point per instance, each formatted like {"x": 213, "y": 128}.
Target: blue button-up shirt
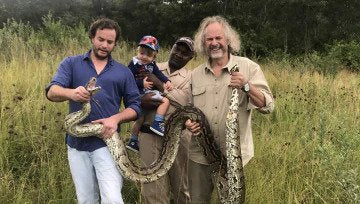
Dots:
{"x": 117, "y": 83}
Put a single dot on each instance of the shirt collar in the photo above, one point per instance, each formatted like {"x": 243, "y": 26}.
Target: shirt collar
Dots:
{"x": 182, "y": 72}
{"x": 86, "y": 56}
{"x": 137, "y": 61}
{"x": 228, "y": 66}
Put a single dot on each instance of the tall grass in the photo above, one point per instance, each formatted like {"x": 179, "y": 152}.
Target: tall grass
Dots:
{"x": 306, "y": 151}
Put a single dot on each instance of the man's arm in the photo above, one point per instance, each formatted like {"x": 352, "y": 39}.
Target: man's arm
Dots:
{"x": 110, "y": 124}
{"x": 181, "y": 92}
{"x": 161, "y": 76}
{"x": 157, "y": 84}
{"x": 147, "y": 102}
{"x": 262, "y": 99}
{"x": 256, "y": 97}
{"x": 260, "y": 95}
{"x": 57, "y": 93}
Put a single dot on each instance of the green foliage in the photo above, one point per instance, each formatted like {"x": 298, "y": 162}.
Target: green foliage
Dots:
{"x": 13, "y": 33}
{"x": 337, "y": 56}
{"x": 57, "y": 33}
{"x": 307, "y": 151}
{"x": 295, "y": 27}
{"x": 346, "y": 54}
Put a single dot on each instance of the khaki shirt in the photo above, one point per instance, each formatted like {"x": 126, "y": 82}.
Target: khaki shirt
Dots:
{"x": 212, "y": 95}
{"x": 181, "y": 91}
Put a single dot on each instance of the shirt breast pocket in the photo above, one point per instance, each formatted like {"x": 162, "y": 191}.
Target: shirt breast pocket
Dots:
{"x": 198, "y": 94}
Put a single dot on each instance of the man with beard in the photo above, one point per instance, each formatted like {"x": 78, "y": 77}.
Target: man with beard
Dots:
{"x": 212, "y": 84}
{"x": 175, "y": 182}
{"x": 93, "y": 169}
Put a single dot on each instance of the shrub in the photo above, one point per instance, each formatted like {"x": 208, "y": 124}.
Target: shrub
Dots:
{"x": 345, "y": 54}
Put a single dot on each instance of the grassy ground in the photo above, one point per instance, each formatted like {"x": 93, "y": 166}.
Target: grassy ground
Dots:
{"x": 307, "y": 151}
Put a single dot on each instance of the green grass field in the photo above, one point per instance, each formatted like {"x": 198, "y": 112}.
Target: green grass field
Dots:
{"x": 306, "y": 151}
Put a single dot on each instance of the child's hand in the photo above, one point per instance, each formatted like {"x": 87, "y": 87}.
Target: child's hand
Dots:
{"x": 168, "y": 86}
{"x": 147, "y": 84}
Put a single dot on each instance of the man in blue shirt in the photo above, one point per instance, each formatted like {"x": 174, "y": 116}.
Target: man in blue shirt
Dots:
{"x": 92, "y": 167}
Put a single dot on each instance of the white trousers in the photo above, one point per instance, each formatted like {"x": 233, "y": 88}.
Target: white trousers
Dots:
{"x": 93, "y": 173}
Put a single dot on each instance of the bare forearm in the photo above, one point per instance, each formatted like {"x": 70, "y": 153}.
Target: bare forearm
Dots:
{"x": 256, "y": 97}
{"x": 128, "y": 114}
{"x": 58, "y": 94}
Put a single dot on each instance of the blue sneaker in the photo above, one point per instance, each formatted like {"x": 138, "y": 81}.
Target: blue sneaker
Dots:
{"x": 133, "y": 145}
{"x": 158, "y": 128}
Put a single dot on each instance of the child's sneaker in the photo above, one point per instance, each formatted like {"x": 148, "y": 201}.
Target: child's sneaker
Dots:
{"x": 158, "y": 128}
{"x": 133, "y": 145}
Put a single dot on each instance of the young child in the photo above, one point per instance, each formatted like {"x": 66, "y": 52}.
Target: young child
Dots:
{"x": 144, "y": 62}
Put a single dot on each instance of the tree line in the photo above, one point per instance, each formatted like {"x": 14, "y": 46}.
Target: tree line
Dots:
{"x": 266, "y": 27}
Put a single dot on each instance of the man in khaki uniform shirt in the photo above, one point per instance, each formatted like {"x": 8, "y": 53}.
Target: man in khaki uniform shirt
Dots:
{"x": 175, "y": 181}
{"x": 216, "y": 39}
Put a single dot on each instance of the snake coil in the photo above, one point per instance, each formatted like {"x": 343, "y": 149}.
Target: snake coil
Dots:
{"x": 228, "y": 170}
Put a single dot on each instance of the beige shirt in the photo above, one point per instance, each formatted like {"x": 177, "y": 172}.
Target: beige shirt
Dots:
{"x": 180, "y": 93}
{"x": 212, "y": 95}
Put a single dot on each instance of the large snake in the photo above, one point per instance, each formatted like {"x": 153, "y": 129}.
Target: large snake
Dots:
{"x": 228, "y": 170}
{"x": 235, "y": 173}
{"x": 117, "y": 148}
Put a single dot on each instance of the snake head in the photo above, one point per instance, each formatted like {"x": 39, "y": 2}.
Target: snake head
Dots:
{"x": 91, "y": 86}
{"x": 234, "y": 69}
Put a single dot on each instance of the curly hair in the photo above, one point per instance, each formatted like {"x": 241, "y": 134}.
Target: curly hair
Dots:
{"x": 103, "y": 23}
{"x": 230, "y": 34}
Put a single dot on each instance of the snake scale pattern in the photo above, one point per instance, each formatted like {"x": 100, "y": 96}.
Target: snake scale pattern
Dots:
{"x": 117, "y": 148}
{"x": 228, "y": 169}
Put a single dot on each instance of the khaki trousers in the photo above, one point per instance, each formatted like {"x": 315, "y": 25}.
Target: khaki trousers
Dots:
{"x": 201, "y": 183}
{"x": 175, "y": 182}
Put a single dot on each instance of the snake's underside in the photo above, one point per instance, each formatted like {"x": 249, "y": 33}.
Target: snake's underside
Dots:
{"x": 228, "y": 170}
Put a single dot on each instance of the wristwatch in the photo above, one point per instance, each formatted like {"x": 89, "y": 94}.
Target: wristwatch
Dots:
{"x": 246, "y": 87}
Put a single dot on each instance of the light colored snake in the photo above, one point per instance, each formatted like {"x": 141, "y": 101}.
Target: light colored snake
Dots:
{"x": 228, "y": 170}
{"x": 117, "y": 148}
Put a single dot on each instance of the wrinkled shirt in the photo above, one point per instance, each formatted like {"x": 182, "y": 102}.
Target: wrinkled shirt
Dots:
{"x": 117, "y": 84}
{"x": 212, "y": 95}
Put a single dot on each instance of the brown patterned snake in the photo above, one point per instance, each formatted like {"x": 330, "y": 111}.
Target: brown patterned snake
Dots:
{"x": 228, "y": 170}
{"x": 117, "y": 148}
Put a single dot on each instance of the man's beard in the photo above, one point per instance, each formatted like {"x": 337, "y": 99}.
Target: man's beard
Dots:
{"x": 218, "y": 54}
{"x": 97, "y": 55}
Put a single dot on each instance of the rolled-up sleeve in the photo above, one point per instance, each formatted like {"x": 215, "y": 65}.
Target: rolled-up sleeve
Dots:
{"x": 258, "y": 79}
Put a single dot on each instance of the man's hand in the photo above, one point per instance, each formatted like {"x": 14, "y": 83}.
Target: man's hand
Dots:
{"x": 237, "y": 80}
{"x": 147, "y": 84}
{"x": 149, "y": 103}
{"x": 80, "y": 94}
{"x": 110, "y": 126}
{"x": 157, "y": 84}
{"x": 168, "y": 86}
{"x": 193, "y": 127}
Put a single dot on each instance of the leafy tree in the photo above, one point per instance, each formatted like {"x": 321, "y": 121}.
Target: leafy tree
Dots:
{"x": 266, "y": 26}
